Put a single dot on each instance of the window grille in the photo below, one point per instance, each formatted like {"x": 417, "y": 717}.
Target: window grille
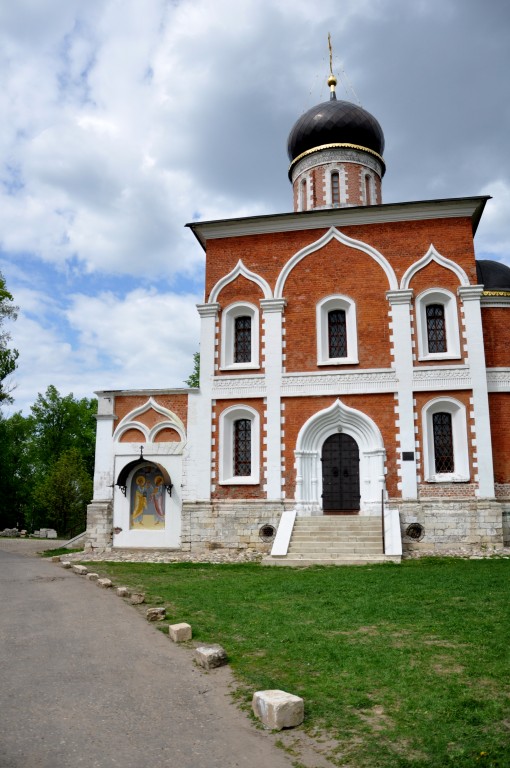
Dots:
{"x": 436, "y": 328}
{"x": 443, "y": 442}
{"x": 242, "y": 448}
{"x": 242, "y": 339}
{"x": 335, "y": 188}
{"x": 337, "y": 333}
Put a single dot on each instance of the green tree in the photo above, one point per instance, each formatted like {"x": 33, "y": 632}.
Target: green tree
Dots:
{"x": 16, "y": 471}
{"x": 193, "y": 379}
{"x": 63, "y": 494}
{"x": 61, "y": 423}
{"x": 8, "y": 356}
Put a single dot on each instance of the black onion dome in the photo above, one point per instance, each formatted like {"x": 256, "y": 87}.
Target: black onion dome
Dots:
{"x": 335, "y": 122}
{"x": 493, "y": 275}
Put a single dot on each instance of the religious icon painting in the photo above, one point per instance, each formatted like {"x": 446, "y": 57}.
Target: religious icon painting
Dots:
{"x": 147, "y": 511}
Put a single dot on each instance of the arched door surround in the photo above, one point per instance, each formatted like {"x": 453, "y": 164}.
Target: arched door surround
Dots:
{"x": 336, "y": 419}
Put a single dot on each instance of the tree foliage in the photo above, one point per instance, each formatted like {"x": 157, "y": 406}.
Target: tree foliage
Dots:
{"x": 8, "y": 357}
{"x": 47, "y": 463}
{"x": 193, "y": 379}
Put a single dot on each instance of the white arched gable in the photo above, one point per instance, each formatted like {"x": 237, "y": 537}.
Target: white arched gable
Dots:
{"x": 335, "y": 234}
{"x": 324, "y": 423}
{"x": 130, "y": 421}
{"x": 238, "y": 270}
{"x": 311, "y": 437}
{"x": 433, "y": 255}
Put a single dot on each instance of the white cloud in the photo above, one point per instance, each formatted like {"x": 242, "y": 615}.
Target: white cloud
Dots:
{"x": 493, "y": 236}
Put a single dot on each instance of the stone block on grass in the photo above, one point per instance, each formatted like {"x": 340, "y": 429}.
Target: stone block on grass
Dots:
{"x": 92, "y": 576}
{"x": 210, "y": 656}
{"x": 136, "y": 598}
{"x": 65, "y": 563}
{"x": 155, "y": 614}
{"x": 278, "y": 709}
{"x": 55, "y": 558}
{"x": 179, "y": 633}
{"x": 122, "y": 592}
{"x": 81, "y": 570}
{"x": 104, "y": 583}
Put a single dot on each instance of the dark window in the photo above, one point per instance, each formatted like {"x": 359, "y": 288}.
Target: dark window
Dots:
{"x": 436, "y": 328}
{"x": 242, "y": 339}
{"x": 337, "y": 333}
{"x": 242, "y": 448}
{"x": 443, "y": 442}
{"x": 335, "y": 188}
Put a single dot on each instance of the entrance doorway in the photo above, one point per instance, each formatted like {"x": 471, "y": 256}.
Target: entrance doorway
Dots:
{"x": 340, "y": 475}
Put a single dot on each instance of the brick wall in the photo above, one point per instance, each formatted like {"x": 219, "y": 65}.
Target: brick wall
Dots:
{"x": 499, "y": 409}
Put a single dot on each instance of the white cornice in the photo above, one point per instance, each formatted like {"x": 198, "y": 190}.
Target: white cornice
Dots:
{"x": 498, "y": 379}
{"x": 464, "y": 207}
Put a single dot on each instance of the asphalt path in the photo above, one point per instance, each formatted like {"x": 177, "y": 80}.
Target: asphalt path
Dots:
{"x": 86, "y": 681}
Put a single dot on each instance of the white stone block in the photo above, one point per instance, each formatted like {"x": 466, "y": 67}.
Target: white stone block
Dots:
{"x": 122, "y": 592}
{"x": 278, "y": 709}
{"x": 65, "y": 564}
{"x": 137, "y": 598}
{"x": 81, "y": 570}
{"x": 104, "y": 583}
{"x": 210, "y": 656}
{"x": 92, "y": 576}
{"x": 179, "y": 633}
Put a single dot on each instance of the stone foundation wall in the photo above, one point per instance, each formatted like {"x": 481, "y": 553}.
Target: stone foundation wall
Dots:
{"x": 505, "y": 510}
{"x": 228, "y": 525}
{"x": 99, "y": 532}
{"x": 453, "y": 524}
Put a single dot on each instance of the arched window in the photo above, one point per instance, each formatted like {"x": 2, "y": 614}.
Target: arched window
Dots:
{"x": 443, "y": 442}
{"x": 239, "y": 446}
{"x": 242, "y": 339}
{"x": 436, "y": 328}
{"x": 335, "y": 188}
{"x": 337, "y": 333}
{"x": 368, "y": 195}
{"x": 337, "y": 342}
{"x": 242, "y": 448}
{"x": 437, "y": 325}
{"x": 445, "y": 445}
{"x": 304, "y": 195}
{"x": 240, "y": 336}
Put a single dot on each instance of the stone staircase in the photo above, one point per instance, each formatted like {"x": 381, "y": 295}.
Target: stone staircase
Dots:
{"x": 334, "y": 540}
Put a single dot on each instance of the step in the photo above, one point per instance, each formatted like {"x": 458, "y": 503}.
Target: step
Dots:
{"x": 305, "y": 562}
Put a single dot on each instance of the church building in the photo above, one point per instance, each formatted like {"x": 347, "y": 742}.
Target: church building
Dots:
{"x": 354, "y": 394}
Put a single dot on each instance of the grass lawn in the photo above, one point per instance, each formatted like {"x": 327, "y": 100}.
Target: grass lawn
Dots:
{"x": 402, "y": 665}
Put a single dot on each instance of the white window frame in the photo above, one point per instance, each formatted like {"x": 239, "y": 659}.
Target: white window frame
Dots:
{"x": 324, "y": 307}
{"x": 226, "y": 463}
{"x": 457, "y": 410}
{"x": 451, "y": 318}
{"x": 229, "y": 315}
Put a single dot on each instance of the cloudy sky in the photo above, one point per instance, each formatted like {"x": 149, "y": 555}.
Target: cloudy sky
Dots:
{"x": 121, "y": 120}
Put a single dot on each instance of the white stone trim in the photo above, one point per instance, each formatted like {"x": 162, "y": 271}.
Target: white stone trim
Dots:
{"x": 309, "y": 444}
{"x": 284, "y": 533}
{"x": 501, "y": 302}
{"x": 498, "y": 379}
{"x": 475, "y": 348}
{"x": 172, "y": 421}
{"x": 240, "y": 270}
{"x": 460, "y": 442}
{"x": 441, "y": 377}
{"x": 402, "y": 350}
{"x": 433, "y": 255}
{"x": 323, "y": 308}
{"x": 226, "y": 445}
{"x": 334, "y": 234}
{"x": 228, "y": 316}
{"x": 448, "y": 300}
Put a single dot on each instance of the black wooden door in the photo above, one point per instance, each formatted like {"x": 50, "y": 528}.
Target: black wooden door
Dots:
{"x": 340, "y": 475}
